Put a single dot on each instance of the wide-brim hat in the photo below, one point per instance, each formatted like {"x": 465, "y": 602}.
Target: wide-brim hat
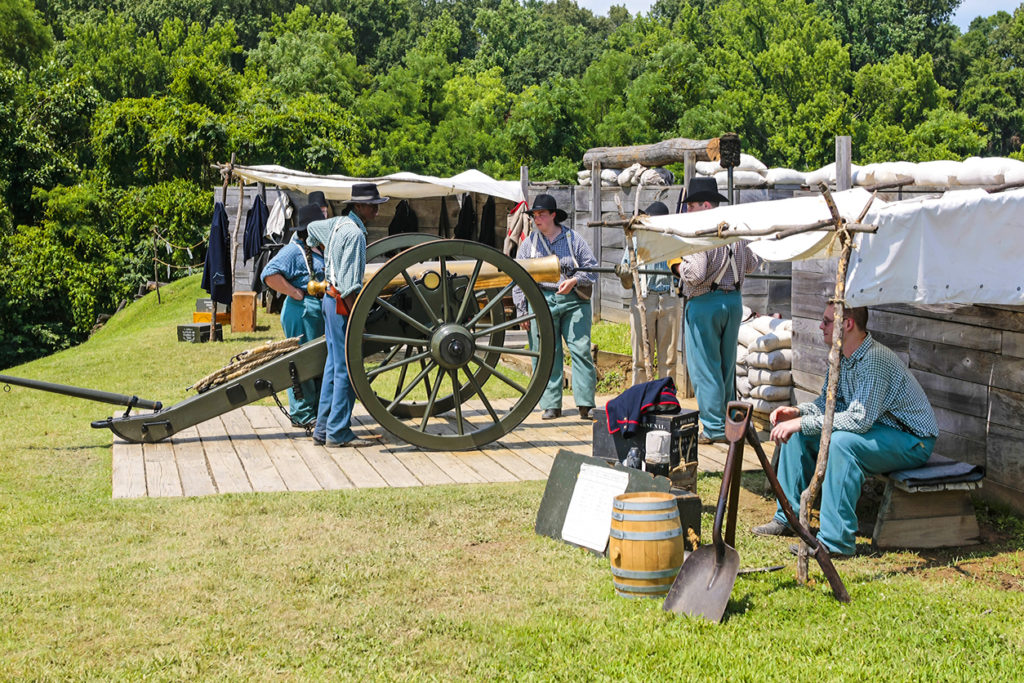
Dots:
{"x": 304, "y": 216}
{"x": 366, "y": 193}
{"x": 657, "y": 209}
{"x": 703, "y": 190}
{"x": 317, "y": 198}
{"x": 545, "y": 202}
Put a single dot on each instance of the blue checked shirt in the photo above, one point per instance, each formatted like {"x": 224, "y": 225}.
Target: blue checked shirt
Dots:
{"x": 572, "y": 252}
{"x": 344, "y": 241}
{"x": 874, "y": 387}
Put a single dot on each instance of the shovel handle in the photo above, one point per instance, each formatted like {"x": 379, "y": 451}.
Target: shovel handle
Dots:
{"x": 819, "y": 550}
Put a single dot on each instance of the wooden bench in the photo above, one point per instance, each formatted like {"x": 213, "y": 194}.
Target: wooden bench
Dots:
{"x": 927, "y": 510}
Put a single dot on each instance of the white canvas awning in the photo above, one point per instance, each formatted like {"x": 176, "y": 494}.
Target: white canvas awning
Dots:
{"x": 398, "y": 185}
{"x": 963, "y": 247}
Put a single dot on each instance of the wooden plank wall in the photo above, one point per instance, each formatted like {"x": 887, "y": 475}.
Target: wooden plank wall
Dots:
{"x": 427, "y": 210}
{"x": 968, "y": 359}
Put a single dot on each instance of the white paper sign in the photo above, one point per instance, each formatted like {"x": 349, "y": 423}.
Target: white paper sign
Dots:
{"x": 589, "y": 517}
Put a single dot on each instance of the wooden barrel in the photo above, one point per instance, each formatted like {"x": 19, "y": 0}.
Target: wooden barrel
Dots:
{"x": 645, "y": 545}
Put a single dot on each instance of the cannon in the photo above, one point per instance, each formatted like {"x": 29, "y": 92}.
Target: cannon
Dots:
{"x": 425, "y": 335}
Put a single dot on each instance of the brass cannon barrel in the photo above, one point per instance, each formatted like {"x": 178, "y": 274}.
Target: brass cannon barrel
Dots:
{"x": 545, "y": 269}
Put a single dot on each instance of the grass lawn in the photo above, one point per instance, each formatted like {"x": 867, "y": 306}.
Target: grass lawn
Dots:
{"x": 436, "y": 582}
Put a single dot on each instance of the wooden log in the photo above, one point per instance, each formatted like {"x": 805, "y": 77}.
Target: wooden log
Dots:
{"x": 659, "y": 154}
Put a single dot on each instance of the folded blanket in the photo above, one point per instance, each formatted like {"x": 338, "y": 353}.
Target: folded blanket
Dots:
{"x": 940, "y": 470}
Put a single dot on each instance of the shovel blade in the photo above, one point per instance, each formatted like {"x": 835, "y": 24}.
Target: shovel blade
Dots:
{"x": 704, "y": 583}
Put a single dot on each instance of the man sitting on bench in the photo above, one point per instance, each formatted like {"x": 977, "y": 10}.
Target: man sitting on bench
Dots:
{"x": 883, "y": 422}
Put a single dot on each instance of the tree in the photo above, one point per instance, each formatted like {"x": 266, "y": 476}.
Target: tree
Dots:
{"x": 302, "y": 53}
{"x": 24, "y": 38}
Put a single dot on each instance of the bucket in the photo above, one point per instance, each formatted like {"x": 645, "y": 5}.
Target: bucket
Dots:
{"x": 645, "y": 545}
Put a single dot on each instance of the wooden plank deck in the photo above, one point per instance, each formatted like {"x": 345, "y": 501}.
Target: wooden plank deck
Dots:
{"x": 255, "y": 449}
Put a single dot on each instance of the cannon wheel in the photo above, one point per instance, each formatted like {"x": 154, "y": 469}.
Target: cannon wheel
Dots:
{"x": 391, "y": 245}
{"x": 450, "y": 342}
{"x": 385, "y": 249}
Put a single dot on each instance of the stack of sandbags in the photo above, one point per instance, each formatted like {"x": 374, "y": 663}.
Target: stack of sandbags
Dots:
{"x": 634, "y": 175}
{"x": 750, "y": 173}
{"x": 972, "y": 172}
{"x": 767, "y": 380}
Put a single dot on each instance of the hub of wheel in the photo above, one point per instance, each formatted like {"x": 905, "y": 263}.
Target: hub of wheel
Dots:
{"x": 452, "y": 346}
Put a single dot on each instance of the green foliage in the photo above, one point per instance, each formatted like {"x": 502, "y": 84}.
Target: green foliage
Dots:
{"x": 140, "y": 141}
{"x": 24, "y": 38}
{"x": 304, "y": 53}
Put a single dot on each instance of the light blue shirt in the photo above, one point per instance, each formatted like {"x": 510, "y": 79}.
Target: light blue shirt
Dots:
{"x": 291, "y": 263}
{"x": 344, "y": 241}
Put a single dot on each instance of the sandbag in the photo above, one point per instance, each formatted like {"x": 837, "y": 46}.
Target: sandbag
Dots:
{"x": 656, "y": 176}
{"x": 775, "y": 378}
{"x": 631, "y": 175}
{"x": 780, "y": 339}
{"x": 609, "y": 175}
{"x": 747, "y": 163}
{"x": 583, "y": 175}
{"x": 770, "y": 392}
{"x": 739, "y": 179}
{"x": 825, "y": 174}
{"x": 766, "y": 323}
{"x": 936, "y": 173}
{"x": 978, "y": 171}
{"x": 741, "y": 369}
{"x": 748, "y": 334}
{"x": 886, "y": 173}
{"x": 741, "y": 354}
{"x": 780, "y": 359}
{"x": 763, "y": 407}
{"x": 784, "y": 176}
{"x": 743, "y": 386}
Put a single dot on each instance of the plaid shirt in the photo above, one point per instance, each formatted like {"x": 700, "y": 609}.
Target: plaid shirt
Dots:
{"x": 344, "y": 242}
{"x": 874, "y": 387}
{"x": 569, "y": 253}
{"x": 697, "y": 271}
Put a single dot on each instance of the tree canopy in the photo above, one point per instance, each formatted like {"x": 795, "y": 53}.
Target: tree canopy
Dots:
{"x": 112, "y": 112}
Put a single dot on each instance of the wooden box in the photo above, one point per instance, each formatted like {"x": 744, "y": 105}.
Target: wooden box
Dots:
{"x": 243, "y": 312}
{"x": 223, "y": 317}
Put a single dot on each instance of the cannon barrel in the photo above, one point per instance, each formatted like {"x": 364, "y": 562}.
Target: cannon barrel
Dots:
{"x": 79, "y": 392}
{"x": 544, "y": 269}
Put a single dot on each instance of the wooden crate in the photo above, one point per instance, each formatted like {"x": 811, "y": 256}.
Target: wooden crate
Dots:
{"x": 223, "y": 317}
{"x": 936, "y": 516}
{"x": 243, "y": 312}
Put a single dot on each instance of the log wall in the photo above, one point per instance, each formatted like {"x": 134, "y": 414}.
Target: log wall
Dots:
{"x": 968, "y": 359}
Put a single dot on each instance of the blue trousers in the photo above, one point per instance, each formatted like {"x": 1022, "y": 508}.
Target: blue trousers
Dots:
{"x": 712, "y": 332}
{"x": 850, "y": 458}
{"x": 337, "y": 397}
{"x": 573, "y": 318}
{"x": 304, "y": 319}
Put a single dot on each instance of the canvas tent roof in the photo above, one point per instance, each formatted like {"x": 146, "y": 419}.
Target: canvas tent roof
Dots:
{"x": 399, "y": 185}
{"x": 963, "y": 247}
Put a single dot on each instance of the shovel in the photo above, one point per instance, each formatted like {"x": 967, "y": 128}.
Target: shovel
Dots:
{"x": 704, "y": 583}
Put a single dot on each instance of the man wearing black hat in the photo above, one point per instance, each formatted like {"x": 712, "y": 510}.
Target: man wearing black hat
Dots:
{"x": 569, "y": 303}
{"x": 319, "y": 200}
{"x": 344, "y": 241}
{"x": 711, "y": 284}
{"x": 662, "y": 312}
{"x": 289, "y": 272}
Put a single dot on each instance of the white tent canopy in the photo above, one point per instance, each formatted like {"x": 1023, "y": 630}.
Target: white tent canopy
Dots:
{"x": 399, "y": 185}
{"x": 958, "y": 248}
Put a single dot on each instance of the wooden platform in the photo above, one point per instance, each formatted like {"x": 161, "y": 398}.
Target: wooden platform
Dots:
{"x": 255, "y": 449}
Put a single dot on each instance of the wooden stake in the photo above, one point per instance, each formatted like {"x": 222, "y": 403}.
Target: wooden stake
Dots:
{"x": 810, "y": 494}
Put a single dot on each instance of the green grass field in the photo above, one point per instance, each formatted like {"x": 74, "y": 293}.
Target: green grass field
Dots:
{"x": 437, "y": 582}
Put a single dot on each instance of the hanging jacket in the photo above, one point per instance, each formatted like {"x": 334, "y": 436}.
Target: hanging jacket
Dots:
{"x": 405, "y": 220}
{"x": 217, "y": 268}
{"x": 465, "y": 228}
{"x": 255, "y": 224}
{"x": 487, "y": 220}
{"x": 444, "y": 228}
{"x": 518, "y": 228}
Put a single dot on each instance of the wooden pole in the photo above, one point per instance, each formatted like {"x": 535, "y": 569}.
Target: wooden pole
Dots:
{"x": 524, "y": 182}
{"x": 595, "y": 217}
{"x": 658, "y": 154}
{"x": 156, "y": 275}
{"x": 224, "y": 201}
{"x": 810, "y": 494}
{"x": 844, "y": 163}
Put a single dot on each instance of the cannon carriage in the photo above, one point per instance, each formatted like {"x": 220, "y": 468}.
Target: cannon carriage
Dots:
{"x": 426, "y": 335}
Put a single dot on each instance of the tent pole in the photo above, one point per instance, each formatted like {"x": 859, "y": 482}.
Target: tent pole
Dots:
{"x": 838, "y": 302}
